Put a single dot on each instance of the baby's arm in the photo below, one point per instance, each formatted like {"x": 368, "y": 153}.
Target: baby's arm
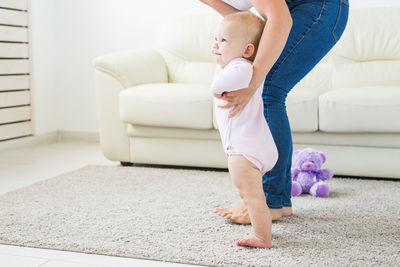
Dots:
{"x": 233, "y": 77}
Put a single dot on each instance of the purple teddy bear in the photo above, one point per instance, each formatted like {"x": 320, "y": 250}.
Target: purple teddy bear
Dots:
{"x": 307, "y": 174}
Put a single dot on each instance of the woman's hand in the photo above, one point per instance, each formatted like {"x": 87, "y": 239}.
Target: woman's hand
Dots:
{"x": 238, "y": 98}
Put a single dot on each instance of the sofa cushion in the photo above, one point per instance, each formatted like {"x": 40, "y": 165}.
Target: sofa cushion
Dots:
{"x": 371, "y": 34}
{"x": 366, "y": 73}
{"x": 319, "y": 76}
{"x": 167, "y": 105}
{"x": 170, "y": 132}
{"x": 302, "y": 108}
{"x": 185, "y": 43}
{"x": 184, "y": 71}
{"x": 360, "y": 109}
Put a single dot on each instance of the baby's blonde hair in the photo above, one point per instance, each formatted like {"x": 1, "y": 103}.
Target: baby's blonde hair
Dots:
{"x": 254, "y": 25}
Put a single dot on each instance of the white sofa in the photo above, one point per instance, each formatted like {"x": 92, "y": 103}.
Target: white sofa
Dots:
{"x": 155, "y": 106}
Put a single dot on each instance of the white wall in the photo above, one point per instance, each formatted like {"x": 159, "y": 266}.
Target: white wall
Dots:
{"x": 43, "y": 55}
{"x": 68, "y": 34}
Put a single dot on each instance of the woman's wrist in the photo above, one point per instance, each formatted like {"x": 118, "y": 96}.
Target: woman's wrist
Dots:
{"x": 256, "y": 80}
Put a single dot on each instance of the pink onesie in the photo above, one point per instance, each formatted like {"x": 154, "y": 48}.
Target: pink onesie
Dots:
{"x": 247, "y": 132}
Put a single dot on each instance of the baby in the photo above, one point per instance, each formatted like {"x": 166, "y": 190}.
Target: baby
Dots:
{"x": 245, "y": 137}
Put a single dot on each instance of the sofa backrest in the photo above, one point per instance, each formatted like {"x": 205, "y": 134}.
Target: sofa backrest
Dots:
{"x": 368, "y": 53}
{"x": 185, "y": 43}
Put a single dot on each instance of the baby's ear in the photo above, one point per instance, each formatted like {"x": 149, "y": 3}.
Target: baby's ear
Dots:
{"x": 250, "y": 49}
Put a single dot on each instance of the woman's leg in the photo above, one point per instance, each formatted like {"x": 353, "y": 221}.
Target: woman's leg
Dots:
{"x": 317, "y": 25}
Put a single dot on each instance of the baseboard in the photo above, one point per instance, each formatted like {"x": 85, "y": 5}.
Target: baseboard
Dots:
{"x": 30, "y": 140}
{"x": 56, "y": 136}
{"x": 79, "y": 136}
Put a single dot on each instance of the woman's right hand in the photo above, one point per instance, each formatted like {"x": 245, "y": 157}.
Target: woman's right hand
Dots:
{"x": 219, "y": 96}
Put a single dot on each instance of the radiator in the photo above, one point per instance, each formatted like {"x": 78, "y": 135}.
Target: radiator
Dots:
{"x": 15, "y": 92}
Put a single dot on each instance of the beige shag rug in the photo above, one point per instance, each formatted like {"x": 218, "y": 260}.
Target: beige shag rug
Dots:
{"x": 167, "y": 214}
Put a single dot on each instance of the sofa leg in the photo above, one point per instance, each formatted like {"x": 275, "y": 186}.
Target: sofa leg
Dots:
{"x": 125, "y": 163}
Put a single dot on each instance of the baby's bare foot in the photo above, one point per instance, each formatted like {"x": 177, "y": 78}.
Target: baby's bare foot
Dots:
{"x": 237, "y": 213}
{"x": 253, "y": 241}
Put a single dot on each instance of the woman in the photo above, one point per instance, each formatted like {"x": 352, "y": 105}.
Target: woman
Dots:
{"x": 297, "y": 35}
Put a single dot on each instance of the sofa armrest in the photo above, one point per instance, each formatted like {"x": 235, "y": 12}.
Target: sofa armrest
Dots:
{"x": 133, "y": 67}
{"x": 113, "y": 73}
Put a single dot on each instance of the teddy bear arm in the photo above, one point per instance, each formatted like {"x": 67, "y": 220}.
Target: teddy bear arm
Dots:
{"x": 325, "y": 174}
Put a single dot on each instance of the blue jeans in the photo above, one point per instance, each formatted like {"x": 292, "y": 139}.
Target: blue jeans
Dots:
{"x": 317, "y": 26}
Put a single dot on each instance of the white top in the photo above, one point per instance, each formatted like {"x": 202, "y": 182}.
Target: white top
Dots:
{"x": 247, "y": 132}
{"x": 239, "y": 4}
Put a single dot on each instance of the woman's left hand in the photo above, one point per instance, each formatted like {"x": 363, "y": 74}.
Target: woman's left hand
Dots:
{"x": 238, "y": 99}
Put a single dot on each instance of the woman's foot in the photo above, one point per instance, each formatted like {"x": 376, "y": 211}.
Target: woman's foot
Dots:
{"x": 253, "y": 241}
{"x": 276, "y": 214}
{"x": 287, "y": 211}
{"x": 239, "y": 214}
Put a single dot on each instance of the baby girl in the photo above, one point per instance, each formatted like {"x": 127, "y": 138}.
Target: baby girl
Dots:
{"x": 245, "y": 137}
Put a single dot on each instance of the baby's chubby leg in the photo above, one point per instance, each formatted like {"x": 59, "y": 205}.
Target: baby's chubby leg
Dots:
{"x": 248, "y": 180}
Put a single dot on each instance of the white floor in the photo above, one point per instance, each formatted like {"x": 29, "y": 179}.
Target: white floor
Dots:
{"x": 29, "y": 164}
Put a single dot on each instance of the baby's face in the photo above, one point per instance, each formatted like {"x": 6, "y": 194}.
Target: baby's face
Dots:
{"x": 229, "y": 42}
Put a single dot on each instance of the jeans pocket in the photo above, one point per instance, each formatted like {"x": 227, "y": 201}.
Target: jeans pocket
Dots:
{"x": 341, "y": 20}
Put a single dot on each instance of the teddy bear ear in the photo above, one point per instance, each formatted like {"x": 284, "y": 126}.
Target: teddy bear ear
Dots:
{"x": 295, "y": 153}
{"x": 323, "y": 157}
